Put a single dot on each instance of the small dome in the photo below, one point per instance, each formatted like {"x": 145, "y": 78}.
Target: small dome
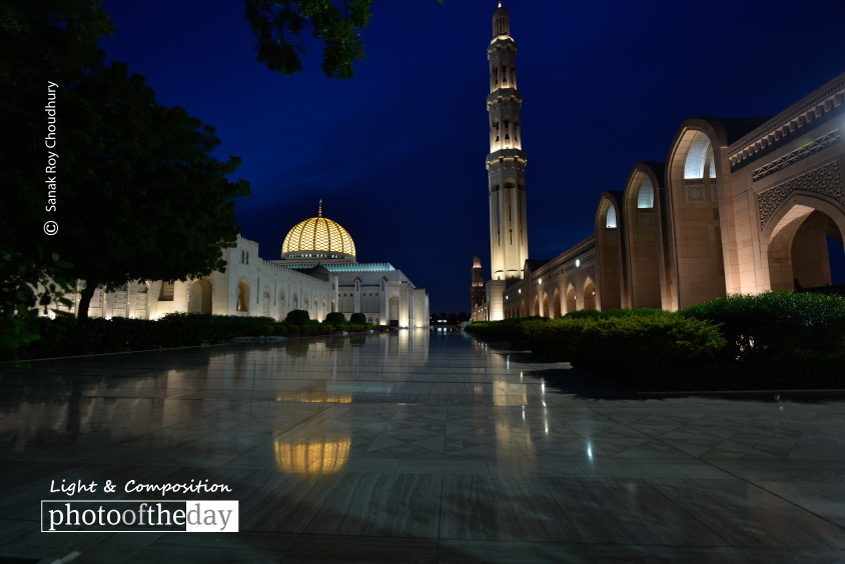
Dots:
{"x": 318, "y": 237}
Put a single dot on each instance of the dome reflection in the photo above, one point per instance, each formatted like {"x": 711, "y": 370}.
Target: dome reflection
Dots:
{"x": 312, "y": 458}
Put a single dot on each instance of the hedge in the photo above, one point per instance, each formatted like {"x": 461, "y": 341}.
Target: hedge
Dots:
{"x": 65, "y": 336}
{"x": 789, "y": 334}
{"x": 638, "y": 350}
{"x": 506, "y": 330}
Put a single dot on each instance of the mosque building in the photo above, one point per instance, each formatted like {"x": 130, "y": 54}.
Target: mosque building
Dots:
{"x": 741, "y": 205}
{"x": 317, "y": 272}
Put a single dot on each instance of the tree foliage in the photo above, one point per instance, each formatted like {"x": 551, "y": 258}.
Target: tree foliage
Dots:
{"x": 279, "y": 27}
{"x": 139, "y": 195}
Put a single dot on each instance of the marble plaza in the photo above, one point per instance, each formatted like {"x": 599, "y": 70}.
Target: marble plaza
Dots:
{"x": 419, "y": 447}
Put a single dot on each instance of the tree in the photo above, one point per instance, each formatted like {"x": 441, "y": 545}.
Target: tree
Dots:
{"x": 24, "y": 290}
{"x": 279, "y": 25}
{"x": 144, "y": 183}
{"x": 135, "y": 192}
{"x": 358, "y": 319}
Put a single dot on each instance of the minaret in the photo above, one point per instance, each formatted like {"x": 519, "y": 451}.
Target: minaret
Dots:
{"x": 477, "y": 289}
{"x": 506, "y": 161}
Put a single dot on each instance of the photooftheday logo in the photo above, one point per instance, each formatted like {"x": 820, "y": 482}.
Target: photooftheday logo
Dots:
{"x": 94, "y": 516}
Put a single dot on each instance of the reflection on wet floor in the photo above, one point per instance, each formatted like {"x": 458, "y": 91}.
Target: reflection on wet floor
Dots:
{"x": 455, "y": 449}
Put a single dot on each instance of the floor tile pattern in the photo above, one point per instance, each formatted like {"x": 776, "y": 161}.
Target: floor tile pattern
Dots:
{"x": 419, "y": 447}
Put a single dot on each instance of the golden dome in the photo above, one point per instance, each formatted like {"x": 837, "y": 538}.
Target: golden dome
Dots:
{"x": 318, "y": 237}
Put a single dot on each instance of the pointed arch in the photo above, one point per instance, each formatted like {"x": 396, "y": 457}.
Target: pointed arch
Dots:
{"x": 610, "y": 283}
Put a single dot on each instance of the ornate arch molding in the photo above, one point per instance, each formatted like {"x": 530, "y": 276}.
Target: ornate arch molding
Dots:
{"x": 811, "y": 202}
{"x": 823, "y": 184}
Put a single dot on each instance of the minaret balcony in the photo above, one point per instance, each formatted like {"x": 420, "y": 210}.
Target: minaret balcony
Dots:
{"x": 501, "y": 94}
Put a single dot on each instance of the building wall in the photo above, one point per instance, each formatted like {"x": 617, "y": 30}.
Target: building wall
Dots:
{"x": 741, "y": 206}
{"x": 250, "y": 286}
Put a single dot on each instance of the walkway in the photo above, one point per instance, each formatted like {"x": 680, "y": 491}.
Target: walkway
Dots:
{"x": 418, "y": 448}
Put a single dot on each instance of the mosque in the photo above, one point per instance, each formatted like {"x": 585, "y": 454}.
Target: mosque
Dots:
{"x": 317, "y": 272}
{"x": 741, "y": 205}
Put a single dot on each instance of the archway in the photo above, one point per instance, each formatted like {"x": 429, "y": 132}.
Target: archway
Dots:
{"x": 200, "y": 297}
{"x": 536, "y": 309}
{"x": 557, "y": 312}
{"x": 393, "y": 310}
{"x": 643, "y": 242}
{"x": 243, "y": 296}
{"x": 589, "y": 294}
{"x": 282, "y": 310}
{"x": 799, "y": 243}
{"x": 265, "y": 306}
{"x": 546, "y": 312}
{"x": 571, "y": 301}
{"x": 693, "y": 177}
{"x": 610, "y": 274}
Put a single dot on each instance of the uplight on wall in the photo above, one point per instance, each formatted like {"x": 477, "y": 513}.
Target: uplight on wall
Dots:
{"x": 577, "y": 263}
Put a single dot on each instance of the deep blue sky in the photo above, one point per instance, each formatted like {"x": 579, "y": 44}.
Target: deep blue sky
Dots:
{"x": 397, "y": 154}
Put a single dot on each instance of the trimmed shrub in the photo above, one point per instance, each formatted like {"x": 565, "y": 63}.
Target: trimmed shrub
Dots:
{"x": 335, "y": 318}
{"x": 293, "y": 330}
{"x": 297, "y": 317}
{"x": 506, "y": 330}
{"x": 357, "y": 319}
{"x": 67, "y": 336}
{"x": 279, "y": 329}
{"x": 638, "y": 312}
{"x": 637, "y": 350}
{"x": 326, "y": 328}
{"x": 783, "y": 332}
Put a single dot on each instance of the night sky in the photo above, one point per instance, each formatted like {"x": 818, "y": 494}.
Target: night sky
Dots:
{"x": 397, "y": 154}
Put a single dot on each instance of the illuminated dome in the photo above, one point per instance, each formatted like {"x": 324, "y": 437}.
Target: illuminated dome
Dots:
{"x": 318, "y": 238}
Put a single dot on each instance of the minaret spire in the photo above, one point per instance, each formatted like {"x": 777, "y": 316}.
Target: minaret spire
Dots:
{"x": 320, "y": 209}
{"x": 506, "y": 161}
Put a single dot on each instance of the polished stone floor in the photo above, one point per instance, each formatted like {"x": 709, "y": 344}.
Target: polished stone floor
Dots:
{"x": 419, "y": 447}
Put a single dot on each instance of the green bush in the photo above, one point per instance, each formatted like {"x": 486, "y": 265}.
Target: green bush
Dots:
{"x": 357, "y": 319}
{"x": 634, "y": 350}
{"x": 279, "y": 329}
{"x": 506, "y": 330}
{"x": 779, "y": 331}
{"x": 336, "y": 318}
{"x": 297, "y": 317}
{"x": 293, "y": 329}
{"x": 327, "y": 328}
{"x": 637, "y": 312}
{"x": 67, "y": 336}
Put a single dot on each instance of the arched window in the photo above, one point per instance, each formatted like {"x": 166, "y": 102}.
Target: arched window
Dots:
{"x": 697, "y": 158}
{"x": 645, "y": 198}
{"x": 610, "y": 221}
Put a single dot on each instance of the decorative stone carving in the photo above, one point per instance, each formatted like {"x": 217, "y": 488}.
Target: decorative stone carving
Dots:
{"x": 695, "y": 193}
{"x": 646, "y": 219}
{"x": 811, "y": 148}
{"x": 825, "y": 180}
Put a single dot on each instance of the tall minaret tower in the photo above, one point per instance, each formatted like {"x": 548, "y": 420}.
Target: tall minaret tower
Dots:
{"x": 477, "y": 289}
{"x": 506, "y": 161}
